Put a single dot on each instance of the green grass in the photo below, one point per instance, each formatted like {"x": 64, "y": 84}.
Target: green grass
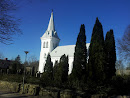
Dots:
{"x": 19, "y": 78}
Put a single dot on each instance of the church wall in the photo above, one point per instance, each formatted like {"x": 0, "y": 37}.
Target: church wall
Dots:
{"x": 41, "y": 63}
{"x": 44, "y": 45}
{"x": 54, "y": 43}
{"x": 47, "y": 45}
{"x": 53, "y": 59}
{"x": 70, "y": 61}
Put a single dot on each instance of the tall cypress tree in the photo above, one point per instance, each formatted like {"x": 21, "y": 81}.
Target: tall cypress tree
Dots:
{"x": 80, "y": 55}
{"x": 55, "y": 70}
{"x": 47, "y": 77}
{"x": 61, "y": 71}
{"x": 64, "y": 67}
{"x": 110, "y": 53}
{"x": 96, "y": 54}
{"x": 57, "y": 74}
{"x": 48, "y": 69}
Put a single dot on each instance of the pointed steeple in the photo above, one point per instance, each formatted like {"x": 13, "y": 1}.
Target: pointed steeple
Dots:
{"x": 50, "y": 32}
{"x": 51, "y": 23}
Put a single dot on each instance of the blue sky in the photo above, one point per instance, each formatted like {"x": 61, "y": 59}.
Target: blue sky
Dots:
{"x": 68, "y": 16}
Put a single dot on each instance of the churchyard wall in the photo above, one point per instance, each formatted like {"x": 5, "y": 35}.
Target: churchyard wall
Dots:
{"x": 49, "y": 92}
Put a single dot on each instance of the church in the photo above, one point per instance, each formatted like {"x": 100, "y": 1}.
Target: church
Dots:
{"x": 50, "y": 44}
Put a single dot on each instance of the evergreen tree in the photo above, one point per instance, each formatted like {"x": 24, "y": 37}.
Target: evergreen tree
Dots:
{"x": 64, "y": 67}
{"x": 61, "y": 71}
{"x": 55, "y": 69}
{"x": 18, "y": 59}
{"x": 80, "y": 55}
{"x": 96, "y": 54}
{"x": 16, "y": 66}
{"x": 47, "y": 77}
{"x": 48, "y": 69}
{"x": 57, "y": 74}
{"x": 110, "y": 52}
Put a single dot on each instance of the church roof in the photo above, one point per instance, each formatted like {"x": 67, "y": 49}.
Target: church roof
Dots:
{"x": 67, "y": 50}
{"x": 50, "y": 32}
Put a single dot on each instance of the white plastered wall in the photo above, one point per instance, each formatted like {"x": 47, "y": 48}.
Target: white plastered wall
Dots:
{"x": 52, "y": 43}
{"x": 53, "y": 59}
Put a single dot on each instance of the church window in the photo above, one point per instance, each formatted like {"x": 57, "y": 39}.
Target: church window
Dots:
{"x": 46, "y": 44}
{"x": 45, "y": 55}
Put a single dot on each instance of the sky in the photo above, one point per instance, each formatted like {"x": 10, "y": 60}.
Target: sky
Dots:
{"x": 68, "y": 17}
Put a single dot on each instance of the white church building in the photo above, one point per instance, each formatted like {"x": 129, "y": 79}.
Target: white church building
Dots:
{"x": 50, "y": 44}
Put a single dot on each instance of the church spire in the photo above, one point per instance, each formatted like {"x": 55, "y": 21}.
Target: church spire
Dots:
{"x": 51, "y": 23}
{"x": 50, "y": 32}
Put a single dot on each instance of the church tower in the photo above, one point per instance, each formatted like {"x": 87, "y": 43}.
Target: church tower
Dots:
{"x": 49, "y": 41}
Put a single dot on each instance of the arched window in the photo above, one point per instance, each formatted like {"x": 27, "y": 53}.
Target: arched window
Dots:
{"x": 46, "y": 44}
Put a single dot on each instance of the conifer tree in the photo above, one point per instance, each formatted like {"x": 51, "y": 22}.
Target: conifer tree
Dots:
{"x": 96, "y": 54}
{"x": 80, "y": 55}
{"x": 64, "y": 67}
{"x": 17, "y": 59}
{"x": 110, "y": 53}
{"x": 48, "y": 69}
{"x": 61, "y": 71}
{"x": 47, "y": 77}
{"x": 16, "y": 65}
{"x": 57, "y": 74}
{"x": 55, "y": 70}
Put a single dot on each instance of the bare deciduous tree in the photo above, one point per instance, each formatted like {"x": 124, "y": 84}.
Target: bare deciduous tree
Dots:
{"x": 1, "y": 55}
{"x": 124, "y": 45}
{"x": 119, "y": 67}
{"x": 32, "y": 58}
{"x": 9, "y": 25}
{"x": 33, "y": 62}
